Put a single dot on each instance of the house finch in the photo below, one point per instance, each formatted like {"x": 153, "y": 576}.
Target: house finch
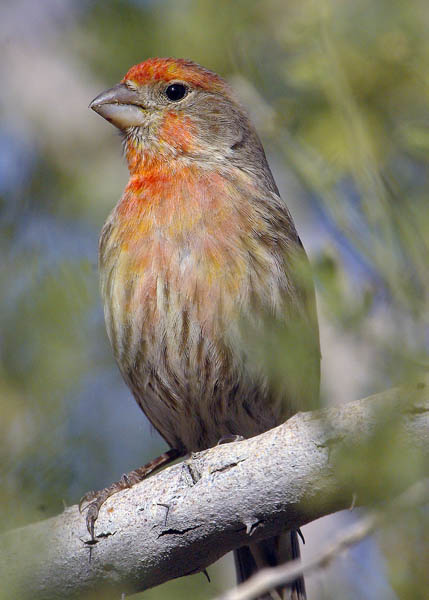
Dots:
{"x": 202, "y": 273}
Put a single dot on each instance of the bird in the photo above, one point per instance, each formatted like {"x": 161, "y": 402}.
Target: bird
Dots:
{"x": 204, "y": 279}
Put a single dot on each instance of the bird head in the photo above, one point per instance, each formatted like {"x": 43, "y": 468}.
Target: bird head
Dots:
{"x": 175, "y": 107}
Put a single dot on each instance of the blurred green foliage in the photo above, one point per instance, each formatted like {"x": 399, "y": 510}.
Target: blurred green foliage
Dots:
{"x": 338, "y": 90}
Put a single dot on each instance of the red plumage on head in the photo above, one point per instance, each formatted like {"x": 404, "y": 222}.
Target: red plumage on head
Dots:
{"x": 170, "y": 69}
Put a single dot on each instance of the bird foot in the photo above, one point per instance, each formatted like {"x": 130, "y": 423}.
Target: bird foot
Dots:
{"x": 227, "y": 439}
{"x": 94, "y": 500}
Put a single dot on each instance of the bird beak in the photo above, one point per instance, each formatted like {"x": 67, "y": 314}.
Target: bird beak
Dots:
{"x": 120, "y": 106}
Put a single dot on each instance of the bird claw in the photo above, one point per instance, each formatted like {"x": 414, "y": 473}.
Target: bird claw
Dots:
{"x": 91, "y": 517}
{"x": 227, "y": 439}
{"x": 95, "y": 500}
{"x": 88, "y": 497}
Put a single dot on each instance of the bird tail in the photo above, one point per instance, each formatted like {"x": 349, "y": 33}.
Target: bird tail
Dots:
{"x": 269, "y": 553}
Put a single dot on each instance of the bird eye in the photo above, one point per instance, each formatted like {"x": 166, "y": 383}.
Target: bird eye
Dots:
{"x": 176, "y": 92}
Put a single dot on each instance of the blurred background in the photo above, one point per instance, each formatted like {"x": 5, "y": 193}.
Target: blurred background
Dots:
{"x": 338, "y": 90}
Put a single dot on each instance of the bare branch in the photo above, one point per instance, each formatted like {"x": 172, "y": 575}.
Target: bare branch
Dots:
{"x": 269, "y": 579}
{"x": 185, "y": 518}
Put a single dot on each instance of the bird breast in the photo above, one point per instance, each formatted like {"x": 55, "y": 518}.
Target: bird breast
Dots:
{"x": 182, "y": 258}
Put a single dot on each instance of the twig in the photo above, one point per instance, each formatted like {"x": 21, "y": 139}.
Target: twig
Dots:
{"x": 268, "y": 579}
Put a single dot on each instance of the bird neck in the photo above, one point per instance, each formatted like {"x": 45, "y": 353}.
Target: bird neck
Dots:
{"x": 174, "y": 139}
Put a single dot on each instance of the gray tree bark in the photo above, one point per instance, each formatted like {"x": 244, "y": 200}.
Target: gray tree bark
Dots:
{"x": 183, "y": 519}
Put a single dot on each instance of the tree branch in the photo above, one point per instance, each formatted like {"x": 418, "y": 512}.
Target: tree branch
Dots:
{"x": 186, "y": 517}
{"x": 269, "y": 579}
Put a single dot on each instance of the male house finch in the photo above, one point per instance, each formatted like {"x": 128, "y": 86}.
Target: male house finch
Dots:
{"x": 199, "y": 260}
